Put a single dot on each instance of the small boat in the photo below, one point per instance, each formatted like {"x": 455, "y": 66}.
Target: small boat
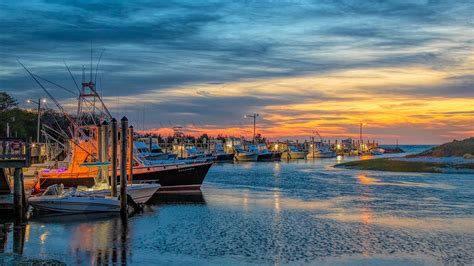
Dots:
{"x": 377, "y": 151}
{"x": 56, "y": 199}
{"x": 140, "y": 193}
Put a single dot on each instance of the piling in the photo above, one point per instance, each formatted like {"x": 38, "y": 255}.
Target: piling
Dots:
{"x": 123, "y": 164}
{"x": 150, "y": 143}
{"x": 105, "y": 150}
{"x": 18, "y": 195}
{"x": 99, "y": 143}
{"x": 114, "y": 157}
{"x": 130, "y": 154}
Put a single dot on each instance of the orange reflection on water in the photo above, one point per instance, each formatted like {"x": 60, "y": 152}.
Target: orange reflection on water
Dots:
{"x": 365, "y": 180}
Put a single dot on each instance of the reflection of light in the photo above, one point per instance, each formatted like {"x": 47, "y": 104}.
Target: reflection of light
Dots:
{"x": 365, "y": 180}
{"x": 366, "y": 157}
{"x": 276, "y": 200}
{"x": 277, "y": 168}
{"x": 339, "y": 158}
{"x": 27, "y": 232}
{"x": 276, "y": 146}
{"x": 43, "y": 237}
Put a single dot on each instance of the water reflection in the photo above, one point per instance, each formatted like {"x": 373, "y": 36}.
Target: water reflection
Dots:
{"x": 178, "y": 198}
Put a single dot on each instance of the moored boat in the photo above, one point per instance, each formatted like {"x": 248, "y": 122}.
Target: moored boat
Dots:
{"x": 56, "y": 199}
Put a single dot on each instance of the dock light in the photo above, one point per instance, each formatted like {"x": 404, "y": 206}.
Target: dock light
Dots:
{"x": 276, "y": 146}
{"x": 338, "y": 146}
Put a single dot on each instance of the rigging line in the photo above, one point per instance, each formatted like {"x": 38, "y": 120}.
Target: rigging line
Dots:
{"x": 72, "y": 76}
{"x": 48, "y": 93}
{"x": 97, "y": 67}
{"x": 64, "y": 88}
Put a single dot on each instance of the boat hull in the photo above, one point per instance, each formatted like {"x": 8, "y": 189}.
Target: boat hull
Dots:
{"x": 75, "y": 204}
{"x": 176, "y": 178}
{"x": 140, "y": 193}
{"x": 321, "y": 155}
{"x": 224, "y": 157}
{"x": 246, "y": 157}
{"x": 293, "y": 155}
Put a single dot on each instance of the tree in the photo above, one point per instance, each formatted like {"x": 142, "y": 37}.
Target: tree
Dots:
{"x": 7, "y": 101}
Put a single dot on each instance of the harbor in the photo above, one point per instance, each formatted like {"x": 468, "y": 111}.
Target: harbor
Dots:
{"x": 289, "y": 132}
{"x": 301, "y": 211}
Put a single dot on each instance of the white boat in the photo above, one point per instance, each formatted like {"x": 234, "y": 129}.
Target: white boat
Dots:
{"x": 293, "y": 153}
{"x": 56, "y": 199}
{"x": 377, "y": 151}
{"x": 241, "y": 155}
{"x": 140, "y": 193}
{"x": 320, "y": 152}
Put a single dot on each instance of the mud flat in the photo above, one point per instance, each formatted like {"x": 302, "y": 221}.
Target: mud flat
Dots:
{"x": 452, "y": 157}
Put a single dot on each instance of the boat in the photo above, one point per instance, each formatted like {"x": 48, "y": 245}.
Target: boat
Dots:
{"x": 377, "y": 151}
{"x": 171, "y": 175}
{"x": 241, "y": 155}
{"x": 263, "y": 153}
{"x": 140, "y": 193}
{"x": 292, "y": 152}
{"x": 220, "y": 155}
{"x": 320, "y": 152}
{"x": 56, "y": 198}
{"x": 83, "y": 139}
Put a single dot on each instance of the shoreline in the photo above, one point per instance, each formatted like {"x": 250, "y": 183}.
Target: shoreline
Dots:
{"x": 443, "y": 165}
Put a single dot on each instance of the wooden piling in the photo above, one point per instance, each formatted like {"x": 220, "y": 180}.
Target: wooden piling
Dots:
{"x": 18, "y": 195}
{"x": 130, "y": 154}
{"x": 99, "y": 142}
{"x": 123, "y": 164}
{"x": 114, "y": 157}
{"x": 105, "y": 149}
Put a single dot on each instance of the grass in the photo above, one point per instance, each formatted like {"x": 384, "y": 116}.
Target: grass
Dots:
{"x": 402, "y": 166}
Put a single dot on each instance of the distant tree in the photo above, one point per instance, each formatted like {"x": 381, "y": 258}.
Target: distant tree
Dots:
{"x": 7, "y": 101}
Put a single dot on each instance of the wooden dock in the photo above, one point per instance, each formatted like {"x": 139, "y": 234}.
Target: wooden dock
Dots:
{"x": 15, "y": 154}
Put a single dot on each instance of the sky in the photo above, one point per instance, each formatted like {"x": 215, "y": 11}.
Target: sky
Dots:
{"x": 403, "y": 67}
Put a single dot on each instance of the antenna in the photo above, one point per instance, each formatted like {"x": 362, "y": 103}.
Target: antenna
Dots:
{"x": 91, "y": 62}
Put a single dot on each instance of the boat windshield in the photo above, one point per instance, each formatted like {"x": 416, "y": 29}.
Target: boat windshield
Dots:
{"x": 293, "y": 148}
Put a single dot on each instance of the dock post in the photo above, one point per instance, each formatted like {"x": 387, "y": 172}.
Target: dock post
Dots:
{"x": 105, "y": 149}
{"x": 114, "y": 157}
{"x": 18, "y": 195}
{"x": 130, "y": 154}
{"x": 99, "y": 143}
{"x": 150, "y": 143}
{"x": 123, "y": 165}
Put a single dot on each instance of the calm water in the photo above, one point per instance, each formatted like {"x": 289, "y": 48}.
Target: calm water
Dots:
{"x": 302, "y": 212}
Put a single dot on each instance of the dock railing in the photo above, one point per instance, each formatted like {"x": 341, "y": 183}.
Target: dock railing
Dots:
{"x": 14, "y": 153}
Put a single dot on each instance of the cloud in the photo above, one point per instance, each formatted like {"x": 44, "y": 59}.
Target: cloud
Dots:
{"x": 154, "y": 50}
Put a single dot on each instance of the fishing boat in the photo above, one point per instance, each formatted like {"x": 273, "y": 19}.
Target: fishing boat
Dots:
{"x": 242, "y": 155}
{"x": 83, "y": 142}
{"x": 56, "y": 198}
{"x": 220, "y": 155}
{"x": 292, "y": 152}
{"x": 263, "y": 153}
{"x": 171, "y": 175}
{"x": 320, "y": 152}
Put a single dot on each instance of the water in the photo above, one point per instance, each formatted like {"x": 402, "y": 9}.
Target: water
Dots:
{"x": 302, "y": 212}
